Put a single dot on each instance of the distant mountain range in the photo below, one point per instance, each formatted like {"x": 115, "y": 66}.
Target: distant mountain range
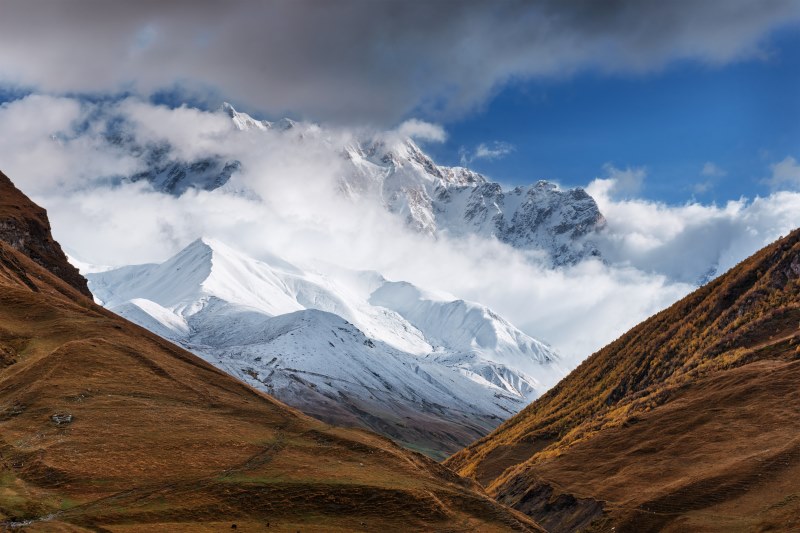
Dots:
{"x": 428, "y": 370}
{"x": 396, "y": 174}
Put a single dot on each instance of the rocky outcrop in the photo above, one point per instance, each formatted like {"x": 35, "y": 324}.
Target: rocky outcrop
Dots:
{"x": 458, "y": 202}
{"x": 24, "y": 225}
{"x": 541, "y": 216}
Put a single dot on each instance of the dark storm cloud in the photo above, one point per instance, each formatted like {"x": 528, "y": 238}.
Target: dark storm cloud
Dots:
{"x": 366, "y": 60}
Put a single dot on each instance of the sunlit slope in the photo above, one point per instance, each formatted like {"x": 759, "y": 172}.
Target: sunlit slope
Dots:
{"x": 105, "y": 426}
{"x": 691, "y": 420}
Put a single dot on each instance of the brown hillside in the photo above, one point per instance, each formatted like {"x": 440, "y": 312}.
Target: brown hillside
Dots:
{"x": 24, "y": 225}
{"x": 688, "y": 422}
{"x": 106, "y": 427}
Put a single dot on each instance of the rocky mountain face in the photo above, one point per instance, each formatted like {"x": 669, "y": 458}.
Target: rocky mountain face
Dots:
{"x": 431, "y": 372}
{"x": 177, "y": 177}
{"x": 398, "y": 175}
{"x": 459, "y": 202}
{"x": 106, "y": 426}
{"x": 162, "y": 169}
{"x": 689, "y": 422}
{"x": 25, "y": 227}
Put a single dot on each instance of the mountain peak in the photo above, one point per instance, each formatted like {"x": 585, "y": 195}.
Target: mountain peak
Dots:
{"x": 243, "y": 121}
{"x": 228, "y": 109}
{"x": 209, "y": 243}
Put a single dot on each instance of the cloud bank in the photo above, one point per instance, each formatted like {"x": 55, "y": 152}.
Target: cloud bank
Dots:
{"x": 688, "y": 243}
{"x": 58, "y": 151}
{"x": 359, "y": 60}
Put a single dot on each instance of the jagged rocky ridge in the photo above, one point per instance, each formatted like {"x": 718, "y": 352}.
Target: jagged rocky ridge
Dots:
{"x": 459, "y": 202}
{"x": 397, "y": 174}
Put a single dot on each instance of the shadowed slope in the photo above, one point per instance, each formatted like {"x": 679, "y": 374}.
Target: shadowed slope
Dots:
{"x": 105, "y": 426}
{"x": 24, "y": 225}
{"x": 689, "y": 420}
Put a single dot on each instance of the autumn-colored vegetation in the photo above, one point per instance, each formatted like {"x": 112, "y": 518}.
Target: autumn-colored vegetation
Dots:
{"x": 744, "y": 323}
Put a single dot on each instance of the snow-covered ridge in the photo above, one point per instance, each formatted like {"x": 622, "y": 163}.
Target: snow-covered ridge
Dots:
{"x": 364, "y": 346}
{"x": 458, "y": 201}
{"x": 397, "y": 174}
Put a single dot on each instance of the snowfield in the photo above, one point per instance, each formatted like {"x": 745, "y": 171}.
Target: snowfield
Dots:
{"x": 427, "y": 369}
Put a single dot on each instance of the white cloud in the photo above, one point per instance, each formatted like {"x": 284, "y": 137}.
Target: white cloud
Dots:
{"x": 654, "y": 249}
{"x": 496, "y": 150}
{"x": 701, "y": 187}
{"x": 682, "y": 241}
{"x": 493, "y": 150}
{"x": 713, "y": 170}
{"x": 785, "y": 173}
{"x": 37, "y": 140}
{"x": 160, "y": 123}
{"x": 620, "y": 182}
{"x": 421, "y": 130}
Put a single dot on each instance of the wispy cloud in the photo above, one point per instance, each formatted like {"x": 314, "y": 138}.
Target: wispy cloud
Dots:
{"x": 421, "y": 130}
{"x": 785, "y": 174}
{"x": 620, "y": 182}
{"x": 713, "y": 170}
{"x": 489, "y": 151}
{"x": 683, "y": 241}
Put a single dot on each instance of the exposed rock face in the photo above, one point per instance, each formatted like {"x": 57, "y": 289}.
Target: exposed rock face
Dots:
{"x": 24, "y": 225}
{"x": 176, "y": 177}
{"x": 457, "y": 201}
{"x": 541, "y": 216}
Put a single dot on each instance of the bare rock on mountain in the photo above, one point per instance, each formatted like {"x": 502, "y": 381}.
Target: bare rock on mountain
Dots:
{"x": 25, "y": 226}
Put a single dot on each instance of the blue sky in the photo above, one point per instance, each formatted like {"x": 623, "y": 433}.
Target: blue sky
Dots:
{"x": 742, "y": 117}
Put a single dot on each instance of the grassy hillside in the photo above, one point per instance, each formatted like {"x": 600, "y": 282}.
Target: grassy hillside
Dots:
{"x": 692, "y": 415}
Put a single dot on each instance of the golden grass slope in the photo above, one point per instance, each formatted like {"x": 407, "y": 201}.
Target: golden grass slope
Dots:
{"x": 690, "y": 421}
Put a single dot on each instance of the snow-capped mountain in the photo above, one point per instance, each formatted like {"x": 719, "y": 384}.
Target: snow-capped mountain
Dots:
{"x": 176, "y": 177}
{"x": 458, "y": 201}
{"x": 349, "y": 347}
{"x": 395, "y": 173}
